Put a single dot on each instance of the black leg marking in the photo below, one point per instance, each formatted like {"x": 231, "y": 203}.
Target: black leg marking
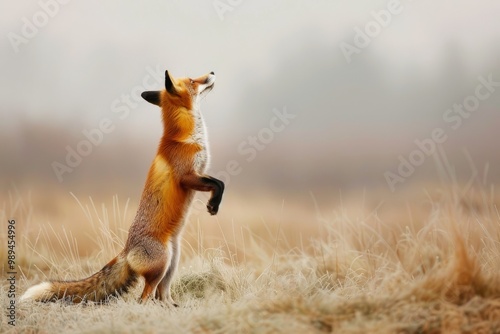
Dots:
{"x": 217, "y": 191}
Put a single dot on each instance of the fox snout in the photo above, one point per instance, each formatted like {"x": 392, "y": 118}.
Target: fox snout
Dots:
{"x": 210, "y": 78}
{"x": 205, "y": 82}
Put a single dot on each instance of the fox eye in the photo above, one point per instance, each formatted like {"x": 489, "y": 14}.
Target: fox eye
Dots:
{"x": 191, "y": 81}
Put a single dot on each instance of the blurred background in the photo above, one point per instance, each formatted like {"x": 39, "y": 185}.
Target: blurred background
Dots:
{"x": 315, "y": 101}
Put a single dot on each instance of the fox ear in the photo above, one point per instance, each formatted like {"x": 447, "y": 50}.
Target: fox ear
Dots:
{"x": 152, "y": 97}
{"x": 169, "y": 85}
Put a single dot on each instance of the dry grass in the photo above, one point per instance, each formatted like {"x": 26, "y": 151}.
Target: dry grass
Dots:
{"x": 436, "y": 272}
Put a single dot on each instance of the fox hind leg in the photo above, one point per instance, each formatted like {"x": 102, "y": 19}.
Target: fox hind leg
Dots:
{"x": 152, "y": 279}
{"x": 151, "y": 262}
{"x": 163, "y": 290}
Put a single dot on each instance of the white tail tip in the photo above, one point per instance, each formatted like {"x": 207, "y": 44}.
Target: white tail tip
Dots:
{"x": 36, "y": 292}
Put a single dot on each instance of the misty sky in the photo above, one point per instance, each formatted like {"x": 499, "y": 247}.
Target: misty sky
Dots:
{"x": 268, "y": 55}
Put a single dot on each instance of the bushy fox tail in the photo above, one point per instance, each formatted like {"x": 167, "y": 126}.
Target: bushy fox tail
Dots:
{"x": 113, "y": 279}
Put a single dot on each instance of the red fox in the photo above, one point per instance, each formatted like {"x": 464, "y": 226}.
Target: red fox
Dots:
{"x": 152, "y": 249}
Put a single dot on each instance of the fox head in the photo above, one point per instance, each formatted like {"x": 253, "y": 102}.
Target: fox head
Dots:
{"x": 181, "y": 92}
{"x": 179, "y": 104}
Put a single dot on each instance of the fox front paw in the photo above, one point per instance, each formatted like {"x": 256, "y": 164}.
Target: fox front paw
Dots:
{"x": 213, "y": 207}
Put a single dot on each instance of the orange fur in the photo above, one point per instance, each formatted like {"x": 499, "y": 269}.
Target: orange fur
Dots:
{"x": 152, "y": 249}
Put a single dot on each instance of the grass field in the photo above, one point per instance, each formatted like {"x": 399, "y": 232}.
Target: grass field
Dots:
{"x": 431, "y": 265}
